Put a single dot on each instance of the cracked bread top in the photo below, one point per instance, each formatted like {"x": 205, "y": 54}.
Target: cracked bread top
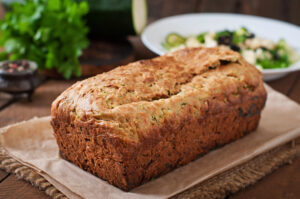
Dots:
{"x": 142, "y": 95}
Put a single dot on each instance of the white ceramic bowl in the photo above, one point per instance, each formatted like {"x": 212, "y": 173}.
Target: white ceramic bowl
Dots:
{"x": 193, "y": 24}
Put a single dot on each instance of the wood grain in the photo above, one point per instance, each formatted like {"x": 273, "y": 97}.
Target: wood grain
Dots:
{"x": 217, "y": 6}
{"x": 284, "y": 84}
{"x": 283, "y": 183}
{"x": 13, "y": 188}
{"x": 5, "y": 100}
{"x": 163, "y": 8}
{"x": 262, "y": 8}
{"x": 3, "y": 175}
{"x": 141, "y": 52}
{"x": 294, "y": 7}
{"x": 42, "y": 99}
{"x": 294, "y": 92}
{"x": 287, "y": 10}
{"x": 174, "y": 7}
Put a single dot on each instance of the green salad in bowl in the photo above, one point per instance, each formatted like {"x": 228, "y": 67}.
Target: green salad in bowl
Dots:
{"x": 263, "y": 53}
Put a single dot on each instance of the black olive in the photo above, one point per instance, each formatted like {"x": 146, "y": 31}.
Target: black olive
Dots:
{"x": 251, "y": 35}
{"x": 235, "y": 48}
{"x": 276, "y": 56}
{"x": 264, "y": 48}
{"x": 225, "y": 40}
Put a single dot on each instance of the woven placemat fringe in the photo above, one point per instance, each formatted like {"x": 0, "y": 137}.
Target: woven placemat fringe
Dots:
{"x": 240, "y": 177}
{"x": 23, "y": 172}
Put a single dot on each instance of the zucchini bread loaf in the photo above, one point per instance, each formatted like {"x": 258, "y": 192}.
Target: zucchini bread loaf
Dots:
{"x": 144, "y": 119}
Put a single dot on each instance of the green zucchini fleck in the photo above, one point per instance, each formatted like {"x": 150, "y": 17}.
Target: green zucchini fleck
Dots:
{"x": 173, "y": 40}
{"x": 183, "y": 103}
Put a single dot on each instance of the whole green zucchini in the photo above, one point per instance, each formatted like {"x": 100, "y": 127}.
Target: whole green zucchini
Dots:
{"x": 116, "y": 17}
{"x": 113, "y": 18}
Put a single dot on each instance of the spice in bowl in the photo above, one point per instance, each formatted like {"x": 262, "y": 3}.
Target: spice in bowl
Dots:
{"x": 18, "y": 77}
{"x": 15, "y": 66}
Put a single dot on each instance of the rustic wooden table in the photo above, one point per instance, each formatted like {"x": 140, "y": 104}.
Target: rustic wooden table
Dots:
{"x": 283, "y": 183}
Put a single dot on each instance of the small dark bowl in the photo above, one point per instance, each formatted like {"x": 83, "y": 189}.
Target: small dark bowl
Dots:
{"x": 19, "y": 82}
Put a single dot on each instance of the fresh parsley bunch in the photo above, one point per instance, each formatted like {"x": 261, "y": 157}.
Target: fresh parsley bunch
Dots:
{"x": 50, "y": 32}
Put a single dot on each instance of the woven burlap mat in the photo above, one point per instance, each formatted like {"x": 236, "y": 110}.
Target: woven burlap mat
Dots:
{"x": 219, "y": 186}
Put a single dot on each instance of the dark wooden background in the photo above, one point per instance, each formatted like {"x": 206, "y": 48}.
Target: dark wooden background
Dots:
{"x": 286, "y": 10}
{"x": 284, "y": 183}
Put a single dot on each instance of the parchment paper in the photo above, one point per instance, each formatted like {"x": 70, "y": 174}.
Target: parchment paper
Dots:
{"x": 32, "y": 143}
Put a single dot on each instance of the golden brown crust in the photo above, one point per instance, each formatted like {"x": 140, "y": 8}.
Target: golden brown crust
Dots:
{"x": 148, "y": 117}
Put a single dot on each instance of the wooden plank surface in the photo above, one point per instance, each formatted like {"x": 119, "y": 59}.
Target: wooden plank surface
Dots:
{"x": 276, "y": 185}
{"x": 12, "y": 188}
{"x": 42, "y": 99}
{"x": 3, "y": 175}
{"x": 164, "y": 8}
{"x": 287, "y": 10}
{"x": 5, "y": 100}
{"x": 217, "y": 6}
{"x": 285, "y": 84}
{"x": 295, "y": 90}
{"x": 258, "y": 7}
{"x": 294, "y": 14}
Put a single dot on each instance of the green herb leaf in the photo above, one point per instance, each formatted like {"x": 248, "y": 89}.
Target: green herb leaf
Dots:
{"x": 3, "y": 55}
{"x": 240, "y": 35}
{"x": 275, "y": 61}
{"x": 238, "y": 39}
{"x": 201, "y": 37}
{"x": 223, "y": 33}
{"x": 50, "y": 32}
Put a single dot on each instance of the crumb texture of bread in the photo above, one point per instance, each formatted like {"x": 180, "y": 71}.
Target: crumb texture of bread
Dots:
{"x": 144, "y": 119}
